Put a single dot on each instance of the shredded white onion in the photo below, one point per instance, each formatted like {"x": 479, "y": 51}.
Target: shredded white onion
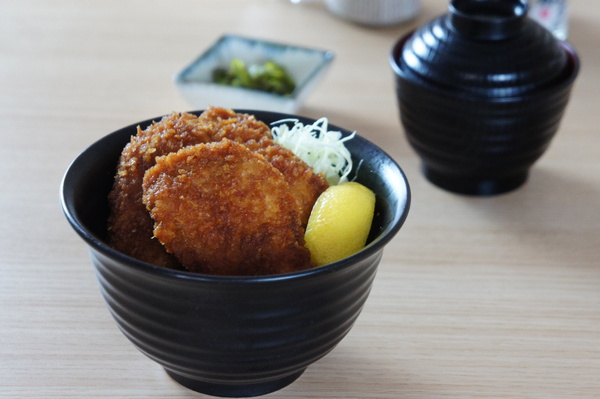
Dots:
{"x": 322, "y": 149}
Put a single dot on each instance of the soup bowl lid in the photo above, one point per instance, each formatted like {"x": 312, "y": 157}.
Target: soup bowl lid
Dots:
{"x": 486, "y": 48}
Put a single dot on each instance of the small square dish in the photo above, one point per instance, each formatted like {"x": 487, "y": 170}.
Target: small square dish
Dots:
{"x": 305, "y": 65}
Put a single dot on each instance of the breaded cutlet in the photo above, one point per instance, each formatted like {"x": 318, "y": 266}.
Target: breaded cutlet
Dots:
{"x": 223, "y": 209}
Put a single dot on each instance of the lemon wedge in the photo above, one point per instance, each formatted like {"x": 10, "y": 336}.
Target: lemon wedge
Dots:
{"x": 340, "y": 222}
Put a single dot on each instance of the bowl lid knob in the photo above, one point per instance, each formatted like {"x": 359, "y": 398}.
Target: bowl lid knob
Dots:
{"x": 487, "y": 19}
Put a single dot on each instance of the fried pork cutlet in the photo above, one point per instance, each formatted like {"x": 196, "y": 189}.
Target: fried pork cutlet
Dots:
{"x": 129, "y": 224}
{"x": 223, "y": 209}
{"x": 306, "y": 185}
{"x": 227, "y": 124}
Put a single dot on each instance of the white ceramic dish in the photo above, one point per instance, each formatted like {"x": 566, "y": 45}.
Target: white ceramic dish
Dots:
{"x": 375, "y": 12}
{"x": 306, "y": 66}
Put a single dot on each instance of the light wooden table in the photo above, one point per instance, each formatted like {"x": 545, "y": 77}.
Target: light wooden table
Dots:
{"x": 475, "y": 297}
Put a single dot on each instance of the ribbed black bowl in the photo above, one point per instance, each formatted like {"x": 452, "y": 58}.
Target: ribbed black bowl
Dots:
{"x": 231, "y": 336}
{"x": 481, "y": 92}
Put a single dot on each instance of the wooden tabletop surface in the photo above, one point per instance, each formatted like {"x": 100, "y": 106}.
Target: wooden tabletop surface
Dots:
{"x": 494, "y": 297}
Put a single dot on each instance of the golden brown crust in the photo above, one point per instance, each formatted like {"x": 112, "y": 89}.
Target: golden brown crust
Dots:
{"x": 130, "y": 225}
{"x": 227, "y": 124}
{"x": 305, "y": 185}
{"x": 222, "y": 209}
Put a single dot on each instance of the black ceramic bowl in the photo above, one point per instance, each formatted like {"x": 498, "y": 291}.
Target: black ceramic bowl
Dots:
{"x": 481, "y": 93}
{"x": 231, "y": 336}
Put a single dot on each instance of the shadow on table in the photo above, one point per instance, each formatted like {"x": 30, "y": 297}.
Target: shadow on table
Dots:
{"x": 351, "y": 372}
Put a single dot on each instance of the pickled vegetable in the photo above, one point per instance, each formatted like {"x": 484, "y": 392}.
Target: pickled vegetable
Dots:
{"x": 269, "y": 77}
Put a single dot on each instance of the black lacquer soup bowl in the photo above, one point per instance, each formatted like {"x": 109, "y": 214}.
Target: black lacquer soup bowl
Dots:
{"x": 481, "y": 92}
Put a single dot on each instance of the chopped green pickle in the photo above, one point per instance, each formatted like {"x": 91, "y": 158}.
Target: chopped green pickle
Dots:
{"x": 270, "y": 77}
